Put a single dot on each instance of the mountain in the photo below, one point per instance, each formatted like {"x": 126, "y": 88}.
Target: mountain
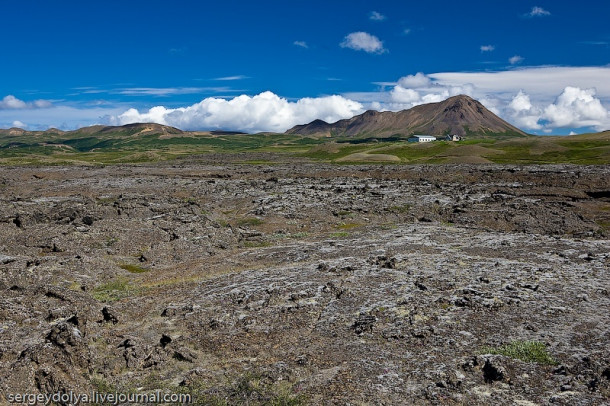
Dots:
{"x": 460, "y": 115}
{"x": 127, "y": 129}
{"x": 130, "y": 129}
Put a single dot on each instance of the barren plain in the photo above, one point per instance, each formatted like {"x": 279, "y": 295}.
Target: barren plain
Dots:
{"x": 302, "y": 283}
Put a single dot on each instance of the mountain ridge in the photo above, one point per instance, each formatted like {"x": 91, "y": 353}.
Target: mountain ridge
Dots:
{"x": 461, "y": 115}
{"x": 132, "y": 129}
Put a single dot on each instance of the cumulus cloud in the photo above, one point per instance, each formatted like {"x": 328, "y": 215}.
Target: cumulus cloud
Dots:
{"x": 521, "y": 102}
{"x": 362, "y": 41}
{"x": 11, "y": 102}
{"x": 522, "y": 113}
{"x": 515, "y": 59}
{"x": 573, "y": 108}
{"x": 413, "y": 90}
{"x": 415, "y": 81}
{"x": 403, "y": 95}
{"x": 577, "y": 107}
{"x": 487, "y": 48}
{"x": 538, "y": 12}
{"x": 263, "y": 112}
{"x": 19, "y": 124}
{"x": 376, "y": 16}
{"x": 301, "y": 44}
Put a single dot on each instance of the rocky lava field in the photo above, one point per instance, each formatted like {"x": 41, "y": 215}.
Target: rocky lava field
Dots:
{"x": 305, "y": 283}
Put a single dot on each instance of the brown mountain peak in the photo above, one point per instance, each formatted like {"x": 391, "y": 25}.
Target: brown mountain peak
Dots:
{"x": 461, "y": 115}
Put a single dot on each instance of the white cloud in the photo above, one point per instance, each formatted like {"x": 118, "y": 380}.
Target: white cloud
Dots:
{"x": 11, "y": 102}
{"x": 402, "y": 95}
{"x": 167, "y": 91}
{"x": 534, "y": 99}
{"x": 538, "y": 12}
{"x": 236, "y": 77}
{"x": 301, "y": 44}
{"x": 362, "y": 41}
{"x": 515, "y": 59}
{"x": 263, "y": 112}
{"x": 522, "y": 113}
{"x": 539, "y": 99}
{"x": 487, "y": 48}
{"x": 573, "y": 108}
{"x": 417, "y": 80}
{"x": 42, "y": 104}
{"x": 577, "y": 107}
{"x": 58, "y": 116}
{"x": 521, "y": 102}
{"x": 19, "y": 124}
{"x": 541, "y": 83}
{"x": 376, "y": 16}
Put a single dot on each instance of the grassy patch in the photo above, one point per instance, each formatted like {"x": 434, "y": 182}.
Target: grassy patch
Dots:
{"x": 528, "y": 351}
{"x": 75, "y": 286}
{"x": 133, "y": 268}
{"x": 348, "y": 226}
{"x": 339, "y": 234}
{"x": 101, "y": 385}
{"x": 251, "y": 388}
{"x": 573, "y": 151}
{"x": 604, "y": 226}
{"x": 252, "y": 221}
{"x": 331, "y": 151}
{"x": 400, "y": 209}
{"x": 223, "y": 223}
{"x": 114, "y": 290}
{"x": 256, "y": 244}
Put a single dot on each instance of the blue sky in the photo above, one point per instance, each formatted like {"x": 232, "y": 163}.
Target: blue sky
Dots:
{"x": 541, "y": 65}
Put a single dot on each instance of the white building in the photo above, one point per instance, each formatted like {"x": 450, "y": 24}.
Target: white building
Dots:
{"x": 453, "y": 137}
{"x": 422, "y": 138}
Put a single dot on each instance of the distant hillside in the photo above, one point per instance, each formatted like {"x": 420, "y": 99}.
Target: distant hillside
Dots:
{"x": 137, "y": 143}
{"x": 460, "y": 115}
{"x": 128, "y": 129}
{"x": 15, "y": 132}
{"x": 131, "y": 129}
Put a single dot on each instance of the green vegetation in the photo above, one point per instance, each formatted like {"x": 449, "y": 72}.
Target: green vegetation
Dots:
{"x": 133, "y": 268}
{"x": 348, "y": 226}
{"x": 252, "y": 221}
{"x": 114, "y": 290}
{"x": 400, "y": 209}
{"x": 252, "y": 388}
{"x": 528, "y": 351}
{"x": 130, "y": 145}
{"x": 340, "y": 234}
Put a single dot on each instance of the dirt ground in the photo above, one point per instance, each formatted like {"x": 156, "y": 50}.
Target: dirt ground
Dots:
{"x": 303, "y": 283}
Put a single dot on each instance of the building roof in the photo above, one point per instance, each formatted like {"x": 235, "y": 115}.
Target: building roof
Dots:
{"x": 422, "y": 136}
